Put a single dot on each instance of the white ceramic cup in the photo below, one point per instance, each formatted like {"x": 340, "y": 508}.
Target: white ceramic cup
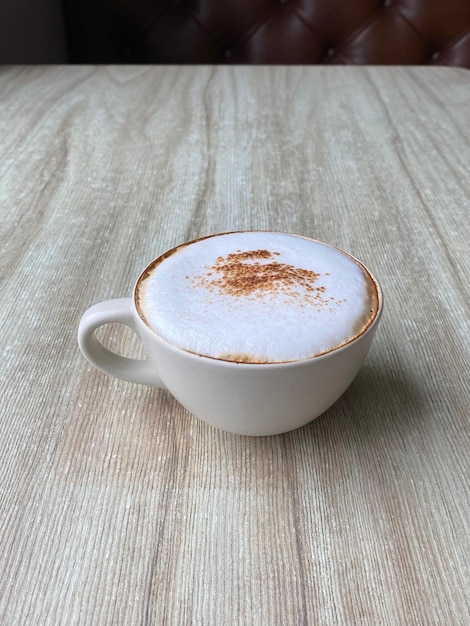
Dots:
{"x": 241, "y": 398}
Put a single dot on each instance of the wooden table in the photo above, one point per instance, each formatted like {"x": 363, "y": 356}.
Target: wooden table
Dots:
{"x": 117, "y": 506}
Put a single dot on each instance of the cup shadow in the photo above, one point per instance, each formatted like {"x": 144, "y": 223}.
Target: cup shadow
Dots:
{"x": 381, "y": 410}
{"x": 381, "y": 399}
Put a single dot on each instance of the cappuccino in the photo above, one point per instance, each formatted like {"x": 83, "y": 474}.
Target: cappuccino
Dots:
{"x": 257, "y": 297}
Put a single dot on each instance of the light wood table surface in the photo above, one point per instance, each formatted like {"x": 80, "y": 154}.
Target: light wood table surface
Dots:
{"x": 120, "y": 508}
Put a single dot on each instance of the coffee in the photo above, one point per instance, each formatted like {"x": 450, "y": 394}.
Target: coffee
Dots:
{"x": 257, "y": 297}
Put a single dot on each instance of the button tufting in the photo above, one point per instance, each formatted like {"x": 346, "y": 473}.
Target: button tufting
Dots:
{"x": 270, "y": 31}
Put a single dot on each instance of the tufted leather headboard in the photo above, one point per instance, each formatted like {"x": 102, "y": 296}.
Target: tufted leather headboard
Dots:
{"x": 269, "y": 31}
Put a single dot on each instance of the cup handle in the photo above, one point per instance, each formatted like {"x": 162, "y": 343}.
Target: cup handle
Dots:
{"x": 131, "y": 370}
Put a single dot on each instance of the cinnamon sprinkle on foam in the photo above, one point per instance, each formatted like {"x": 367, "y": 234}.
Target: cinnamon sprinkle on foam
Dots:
{"x": 256, "y": 273}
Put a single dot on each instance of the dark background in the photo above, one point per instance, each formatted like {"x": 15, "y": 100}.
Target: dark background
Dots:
{"x": 236, "y": 31}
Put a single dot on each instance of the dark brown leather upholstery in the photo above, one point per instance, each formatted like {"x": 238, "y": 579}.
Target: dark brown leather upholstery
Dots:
{"x": 269, "y": 31}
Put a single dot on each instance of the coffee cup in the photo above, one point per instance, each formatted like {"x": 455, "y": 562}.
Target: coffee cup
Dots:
{"x": 253, "y": 332}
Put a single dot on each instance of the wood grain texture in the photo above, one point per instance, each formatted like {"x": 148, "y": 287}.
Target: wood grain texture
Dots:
{"x": 117, "y": 506}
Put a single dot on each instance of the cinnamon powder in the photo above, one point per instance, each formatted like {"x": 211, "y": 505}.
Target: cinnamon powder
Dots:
{"x": 257, "y": 273}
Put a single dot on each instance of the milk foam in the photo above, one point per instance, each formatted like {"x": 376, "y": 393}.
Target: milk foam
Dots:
{"x": 257, "y": 297}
